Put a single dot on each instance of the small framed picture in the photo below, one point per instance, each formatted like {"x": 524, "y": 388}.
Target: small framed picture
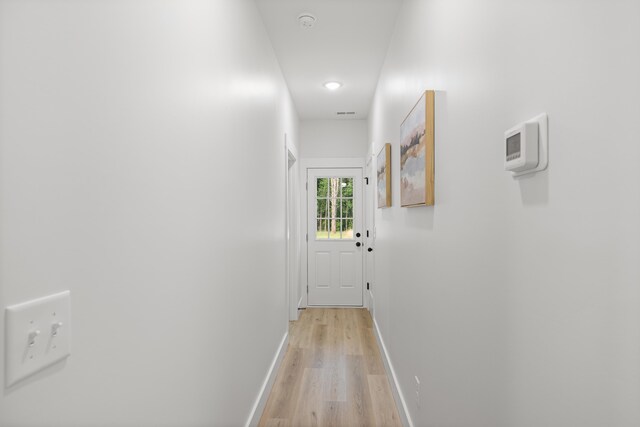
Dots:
{"x": 417, "y": 149}
{"x": 383, "y": 165}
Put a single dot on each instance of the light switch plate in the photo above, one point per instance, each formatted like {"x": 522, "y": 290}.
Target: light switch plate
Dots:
{"x": 38, "y": 334}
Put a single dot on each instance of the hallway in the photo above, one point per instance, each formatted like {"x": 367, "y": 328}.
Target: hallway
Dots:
{"x": 332, "y": 374}
{"x": 181, "y": 180}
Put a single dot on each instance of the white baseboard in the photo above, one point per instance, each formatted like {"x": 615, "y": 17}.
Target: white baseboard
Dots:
{"x": 261, "y": 401}
{"x": 395, "y": 386}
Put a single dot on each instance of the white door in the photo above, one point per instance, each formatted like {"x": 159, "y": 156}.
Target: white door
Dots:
{"x": 335, "y": 237}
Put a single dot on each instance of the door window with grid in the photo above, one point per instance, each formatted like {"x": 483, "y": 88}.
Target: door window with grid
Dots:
{"x": 334, "y": 213}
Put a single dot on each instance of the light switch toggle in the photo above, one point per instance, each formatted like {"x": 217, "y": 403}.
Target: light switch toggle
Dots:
{"x": 55, "y": 327}
{"x": 32, "y": 337}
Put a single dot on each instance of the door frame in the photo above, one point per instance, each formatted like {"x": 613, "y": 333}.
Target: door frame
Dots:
{"x": 318, "y": 163}
{"x": 292, "y": 230}
{"x": 370, "y": 205}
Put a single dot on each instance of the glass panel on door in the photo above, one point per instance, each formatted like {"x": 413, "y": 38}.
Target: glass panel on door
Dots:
{"x": 334, "y": 208}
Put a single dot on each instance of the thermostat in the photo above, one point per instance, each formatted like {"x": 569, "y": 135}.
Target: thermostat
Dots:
{"x": 526, "y": 146}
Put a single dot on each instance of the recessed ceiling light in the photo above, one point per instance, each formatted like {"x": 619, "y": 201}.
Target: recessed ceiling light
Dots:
{"x": 333, "y": 85}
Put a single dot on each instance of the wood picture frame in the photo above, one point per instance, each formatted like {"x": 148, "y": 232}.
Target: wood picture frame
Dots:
{"x": 417, "y": 153}
{"x": 383, "y": 181}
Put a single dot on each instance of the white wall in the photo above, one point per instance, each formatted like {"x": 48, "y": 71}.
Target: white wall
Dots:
{"x": 516, "y": 302}
{"x": 142, "y": 167}
{"x": 333, "y": 138}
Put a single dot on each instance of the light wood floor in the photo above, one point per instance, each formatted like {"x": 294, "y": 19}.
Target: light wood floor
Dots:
{"x": 332, "y": 374}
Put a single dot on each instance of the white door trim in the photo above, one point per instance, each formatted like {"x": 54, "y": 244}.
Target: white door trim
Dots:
{"x": 314, "y": 163}
{"x": 292, "y": 230}
{"x": 370, "y": 193}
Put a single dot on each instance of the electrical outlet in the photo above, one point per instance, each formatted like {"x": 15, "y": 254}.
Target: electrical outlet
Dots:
{"x": 417, "y": 391}
{"x": 38, "y": 334}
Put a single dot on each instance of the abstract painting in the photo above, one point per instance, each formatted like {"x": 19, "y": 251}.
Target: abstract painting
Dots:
{"x": 417, "y": 148}
{"x": 383, "y": 166}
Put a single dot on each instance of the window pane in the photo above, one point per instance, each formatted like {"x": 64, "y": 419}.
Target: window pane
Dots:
{"x": 347, "y": 228}
{"x": 337, "y": 233}
{"x": 334, "y": 208}
{"x": 347, "y": 208}
{"x": 334, "y": 187}
{"x": 338, "y": 208}
{"x": 321, "y": 211}
{"x": 321, "y": 229}
{"x": 321, "y": 187}
{"x": 334, "y": 231}
{"x": 346, "y": 185}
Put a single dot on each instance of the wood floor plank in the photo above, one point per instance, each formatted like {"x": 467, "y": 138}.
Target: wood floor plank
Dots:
{"x": 309, "y": 407}
{"x": 335, "y": 414}
{"x": 303, "y": 330}
{"x": 335, "y": 384}
{"x": 365, "y": 318}
{"x": 384, "y": 408}
{"x": 332, "y": 374}
{"x": 276, "y": 422}
{"x": 352, "y": 334}
{"x": 318, "y": 315}
{"x": 370, "y": 352}
{"x": 319, "y": 340}
{"x": 335, "y": 340}
{"x": 358, "y": 394}
{"x": 288, "y": 382}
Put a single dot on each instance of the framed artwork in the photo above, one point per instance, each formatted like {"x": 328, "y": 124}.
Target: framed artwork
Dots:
{"x": 417, "y": 149}
{"x": 383, "y": 165}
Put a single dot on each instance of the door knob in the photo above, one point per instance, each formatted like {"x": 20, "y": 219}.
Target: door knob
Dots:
{"x": 370, "y": 250}
{"x": 357, "y": 234}
{"x": 358, "y": 244}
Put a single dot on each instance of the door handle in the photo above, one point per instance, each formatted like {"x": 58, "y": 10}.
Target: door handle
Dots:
{"x": 358, "y": 244}
{"x": 370, "y": 250}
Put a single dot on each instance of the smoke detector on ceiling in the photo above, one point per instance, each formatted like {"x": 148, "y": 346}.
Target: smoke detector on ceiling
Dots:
{"x": 306, "y": 21}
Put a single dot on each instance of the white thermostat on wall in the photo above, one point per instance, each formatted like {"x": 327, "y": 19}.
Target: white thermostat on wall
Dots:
{"x": 526, "y": 146}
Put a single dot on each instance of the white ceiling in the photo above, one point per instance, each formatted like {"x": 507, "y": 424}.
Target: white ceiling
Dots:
{"x": 348, "y": 43}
